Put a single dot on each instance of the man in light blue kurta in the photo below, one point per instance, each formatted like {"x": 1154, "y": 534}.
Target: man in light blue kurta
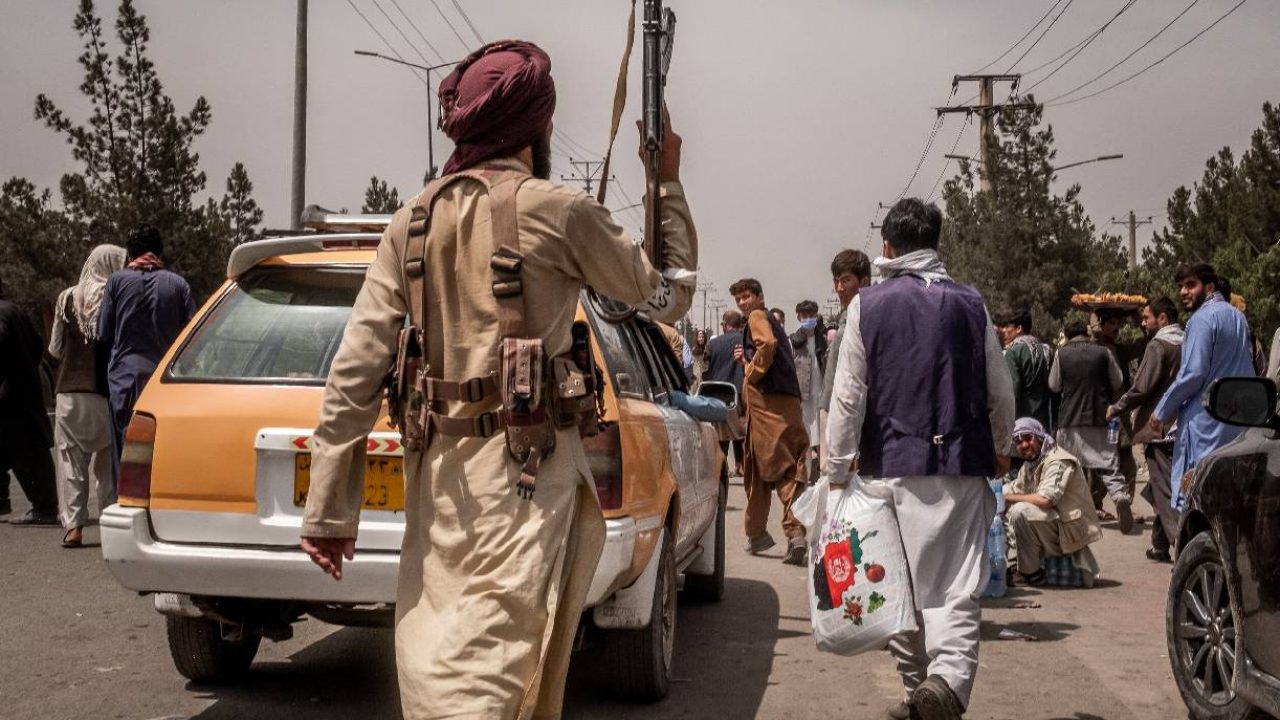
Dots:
{"x": 1216, "y": 346}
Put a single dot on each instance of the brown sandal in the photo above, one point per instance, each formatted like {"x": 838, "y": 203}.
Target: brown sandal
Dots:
{"x": 73, "y": 538}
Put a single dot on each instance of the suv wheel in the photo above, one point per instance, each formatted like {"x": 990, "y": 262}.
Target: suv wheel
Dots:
{"x": 203, "y": 655}
{"x": 639, "y": 661}
{"x": 1201, "y": 633}
{"x": 710, "y": 588}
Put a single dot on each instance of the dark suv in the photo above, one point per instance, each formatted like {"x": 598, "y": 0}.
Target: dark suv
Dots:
{"x": 1223, "y": 616}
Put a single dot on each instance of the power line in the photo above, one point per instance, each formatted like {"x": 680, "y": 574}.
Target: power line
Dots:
{"x": 1125, "y": 59}
{"x": 406, "y": 39}
{"x": 383, "y": 38}
{"x": 414, "y": 25}
{"x": 1024, "y": 37}
{"x": 1083, "y": 46}
{"x": 947, "y": 161}
{"x": 1170, "y": 54}
{"x": 467, "y": 19}
{"x": 1049, "y": 27}
{"x": 444, "y": 17}
{"x": 634, "y": 213}
{"x": 928, "y": 145}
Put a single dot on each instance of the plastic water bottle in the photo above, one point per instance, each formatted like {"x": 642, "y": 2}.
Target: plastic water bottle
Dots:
{"x": 1113, "y": 431}
{"x": 997, "y": 546}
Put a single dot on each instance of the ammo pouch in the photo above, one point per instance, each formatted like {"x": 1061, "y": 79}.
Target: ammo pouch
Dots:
{"x": 406, "y": 397}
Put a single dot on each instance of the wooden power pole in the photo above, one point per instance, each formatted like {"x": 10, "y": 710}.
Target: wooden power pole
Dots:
{"x": 986, "y": 110}
{"x": 298, "y": 186}
{"x": 1133, "y": 222}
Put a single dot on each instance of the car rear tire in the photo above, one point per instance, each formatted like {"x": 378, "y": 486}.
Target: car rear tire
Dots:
{"x": 1201, "y": 633}
{"x": 638, "y": 662}
{"x": 710, "y": 588}
{"x": 201, "y": 654}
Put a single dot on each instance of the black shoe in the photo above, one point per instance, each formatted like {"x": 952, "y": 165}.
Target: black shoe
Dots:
{"x": 1160, "y": 556}
{"x": 33, "y": 519}
{"x": 935, "y": 700}
{"x": 796, "y": 551}
{"x": 5, "y": 507}
{"x": 1124, "y": 513}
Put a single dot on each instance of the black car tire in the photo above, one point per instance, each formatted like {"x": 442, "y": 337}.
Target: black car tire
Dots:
{"x": 202, "y": 655}
{"x": 638, "y": 662}
{"x": 710, "y": 588}
{"x": 1201, "y": 633}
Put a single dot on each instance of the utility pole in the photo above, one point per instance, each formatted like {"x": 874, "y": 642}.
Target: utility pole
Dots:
{"x": 298, "y": 188}
{"x": 587, "y": 170}
{"x": 986, "y": 110}
{"x": 704, "y": 287}
{"x": 1133, "y": 222}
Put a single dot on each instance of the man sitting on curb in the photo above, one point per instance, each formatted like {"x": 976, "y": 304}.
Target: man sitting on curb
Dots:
{"x": 1050, "y": 511}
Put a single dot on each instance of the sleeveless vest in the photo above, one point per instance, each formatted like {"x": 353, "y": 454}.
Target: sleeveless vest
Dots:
{"x": 1086, "y": 384}
{"x": 84, "y": 364}
{"x": 926, "y": 380}
{"x": 781, "y": 377}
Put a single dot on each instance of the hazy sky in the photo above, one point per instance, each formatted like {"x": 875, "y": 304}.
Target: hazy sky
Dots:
{"x": 797, "y": 118}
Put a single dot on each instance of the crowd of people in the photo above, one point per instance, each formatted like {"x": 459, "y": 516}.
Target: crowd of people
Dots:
{"x": 109, "y": 332}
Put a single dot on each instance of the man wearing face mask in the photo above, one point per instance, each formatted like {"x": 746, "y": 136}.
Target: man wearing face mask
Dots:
{"x": 1050, "y": 510}
{"x": 809, "y": 342}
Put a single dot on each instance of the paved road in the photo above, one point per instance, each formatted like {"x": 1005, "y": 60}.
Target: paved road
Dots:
{"x": 73, "y": 644}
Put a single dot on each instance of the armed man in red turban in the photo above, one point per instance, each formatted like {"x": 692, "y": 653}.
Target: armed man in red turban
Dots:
{"x": 503, "y": 529}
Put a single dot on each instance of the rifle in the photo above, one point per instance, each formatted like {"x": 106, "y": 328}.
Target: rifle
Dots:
{"x": 659, "y": 36}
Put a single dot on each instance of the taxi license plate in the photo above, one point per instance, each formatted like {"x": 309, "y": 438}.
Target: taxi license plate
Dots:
{"x": 383, "y": 481}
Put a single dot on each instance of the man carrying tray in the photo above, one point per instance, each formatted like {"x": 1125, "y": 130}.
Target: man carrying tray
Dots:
{"x": 923, "y": 399}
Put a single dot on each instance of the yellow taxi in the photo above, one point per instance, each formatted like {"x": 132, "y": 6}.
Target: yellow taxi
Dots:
{"x": 215, "y": 471}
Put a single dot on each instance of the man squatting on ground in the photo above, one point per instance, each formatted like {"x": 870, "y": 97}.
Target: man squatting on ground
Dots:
{"x": 492, "y": 581}
{"x": 776, "y": 443}
{"x": 923, "y": 399}
{"x": 1159, "y": 366}
{"x": 1049, "y": 507}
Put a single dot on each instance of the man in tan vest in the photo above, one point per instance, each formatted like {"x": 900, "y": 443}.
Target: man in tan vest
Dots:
{"x": 493, "y": 574}
{"x": 1050, "y": 510}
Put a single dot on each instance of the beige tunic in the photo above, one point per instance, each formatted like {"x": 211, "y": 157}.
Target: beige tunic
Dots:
{"x": 491, "y": 586}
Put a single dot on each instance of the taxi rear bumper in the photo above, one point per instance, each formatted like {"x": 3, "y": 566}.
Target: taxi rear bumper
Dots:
{"x": 140, "y": 562}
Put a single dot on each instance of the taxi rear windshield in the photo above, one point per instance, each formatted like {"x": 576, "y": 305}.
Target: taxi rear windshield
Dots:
{"x": 275, "y": 325}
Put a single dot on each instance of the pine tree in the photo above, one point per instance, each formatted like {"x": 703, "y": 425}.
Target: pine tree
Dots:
{"x": 379, "y": 198}
{"x": 1020, "y": 244}
{"x": 238, "y": 209}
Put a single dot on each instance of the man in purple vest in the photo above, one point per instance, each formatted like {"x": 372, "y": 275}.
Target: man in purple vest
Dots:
{"x": 923, "y": 399}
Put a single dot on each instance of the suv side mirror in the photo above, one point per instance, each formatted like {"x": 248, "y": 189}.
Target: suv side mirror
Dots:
{"x": 725, "y": 392}
{"x": 1248, "y": 401}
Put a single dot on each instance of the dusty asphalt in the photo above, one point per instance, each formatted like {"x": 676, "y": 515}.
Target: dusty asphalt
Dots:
{"x": 75, "y": 644}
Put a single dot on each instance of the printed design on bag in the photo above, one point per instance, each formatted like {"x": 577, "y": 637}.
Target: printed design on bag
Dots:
{"x": 836, "y": 569}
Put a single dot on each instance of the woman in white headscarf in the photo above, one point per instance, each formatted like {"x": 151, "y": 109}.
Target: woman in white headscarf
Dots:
{"x": 82, "y": 432}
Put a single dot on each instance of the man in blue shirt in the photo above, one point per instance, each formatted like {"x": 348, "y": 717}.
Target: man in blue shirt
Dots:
{"x": 144, "y": 307}
{"x": 1216, "y": 346}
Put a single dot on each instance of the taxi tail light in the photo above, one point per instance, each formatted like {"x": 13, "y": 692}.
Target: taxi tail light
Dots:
{"x": 134, "y": 486}
{"x": 604, "y": 457}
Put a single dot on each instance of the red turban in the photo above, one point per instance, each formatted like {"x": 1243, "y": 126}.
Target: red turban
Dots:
{"x": 496, "y": 101}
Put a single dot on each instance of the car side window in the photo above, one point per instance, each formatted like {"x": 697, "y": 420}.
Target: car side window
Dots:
{"x": 651, "y": 358}
{"x": 626, "y": 370}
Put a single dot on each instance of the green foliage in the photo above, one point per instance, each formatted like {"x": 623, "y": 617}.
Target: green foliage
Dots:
{"x": 1021, "y": 245}
{"x": 1231, "y": 220}
{"x": 379, "y": 198}
{"x": 41, "y": 250}
{"x": 138, "y": 162}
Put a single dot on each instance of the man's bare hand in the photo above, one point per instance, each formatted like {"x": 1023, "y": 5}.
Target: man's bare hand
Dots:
{"x": 1156, "y": 425}
{"x": 669, "y": 162}
{"x": 329, "y": 552}
{"x": 738, "y": 356}
{"x": 1111, "y": 412}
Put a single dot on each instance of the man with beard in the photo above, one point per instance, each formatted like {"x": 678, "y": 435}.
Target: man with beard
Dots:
{"x": 850, "y": 272}
{"x": 722, "y": 366}
{"x": 923, "y": 400}
{"x": 1050, "y": 511}
{"x": 492, "y": 257}
{"x": 1216, "y": 346}
{"x": 1155, "y": 373}
{"x": 776, "y": 440}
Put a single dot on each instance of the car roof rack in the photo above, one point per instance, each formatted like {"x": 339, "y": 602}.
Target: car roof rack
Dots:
{"x": 320, "y": 219}
{"x": 243, "y": 257}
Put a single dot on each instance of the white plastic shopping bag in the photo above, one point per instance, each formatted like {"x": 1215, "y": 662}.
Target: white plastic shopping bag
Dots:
{"x": 859, "y": 583}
